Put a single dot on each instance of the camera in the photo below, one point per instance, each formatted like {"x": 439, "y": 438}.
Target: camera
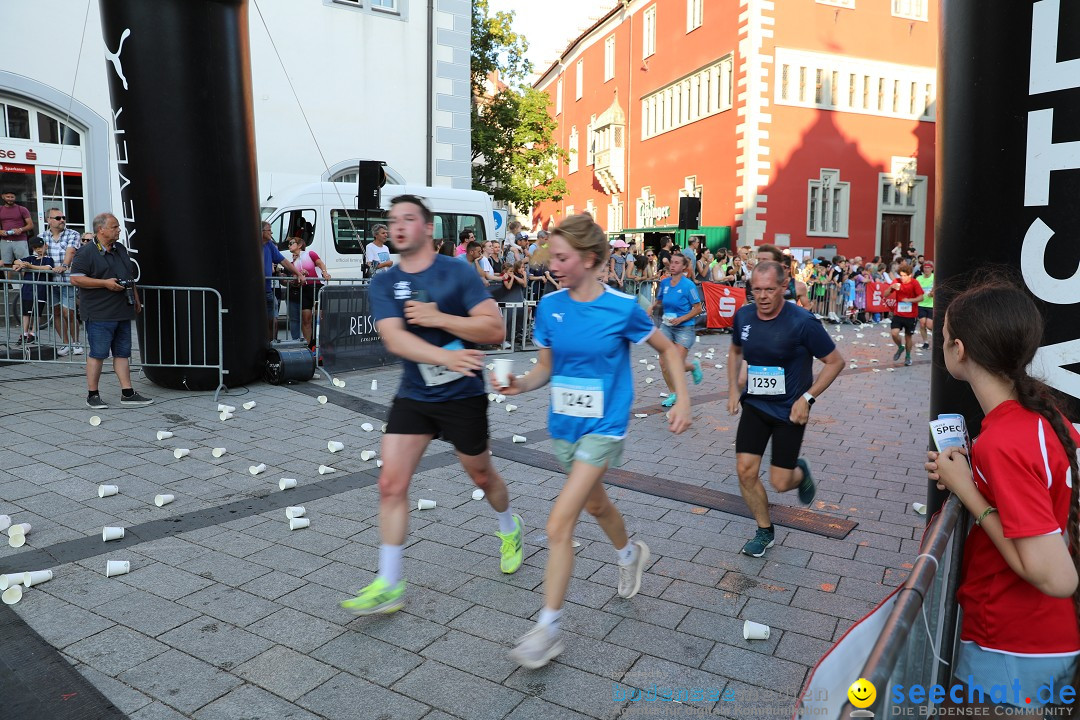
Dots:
{"x": 129, "y": 290}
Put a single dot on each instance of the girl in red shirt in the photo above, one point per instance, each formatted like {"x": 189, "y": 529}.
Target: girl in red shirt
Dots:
{"x": 1018, "y": 586}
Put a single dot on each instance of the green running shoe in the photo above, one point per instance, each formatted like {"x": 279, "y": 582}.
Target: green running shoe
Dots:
{"x": 512, "y": 547}
{"x": 376, "y": 598}
{"x": 696, "y": 372}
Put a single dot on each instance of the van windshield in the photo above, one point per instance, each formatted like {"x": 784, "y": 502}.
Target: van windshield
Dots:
{"x": 353, "y": 229}
{"x": 266, "y": 211}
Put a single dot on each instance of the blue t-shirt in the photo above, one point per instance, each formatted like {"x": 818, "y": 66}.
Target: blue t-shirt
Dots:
{"x": 42, "y": 291}
{"x": 591, "y": 376}
{"x": 784, "y": 347}
{"x": 849, "y": 290}
{"x": 456, "y": 289}
{"x": 271, "y": 256}
{"x": 677, "y": 299}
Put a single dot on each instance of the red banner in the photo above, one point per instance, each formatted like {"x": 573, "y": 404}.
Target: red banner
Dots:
{"x": 876, "y": 302}
{"x": 721, "y": 303}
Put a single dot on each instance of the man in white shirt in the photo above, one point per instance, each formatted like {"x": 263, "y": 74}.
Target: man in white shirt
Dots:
{"x": 377, "y": 254}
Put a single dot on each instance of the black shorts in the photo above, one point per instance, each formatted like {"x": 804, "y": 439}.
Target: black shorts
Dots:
{"x": 462, "y": 423}
{"x": 903, "y": 323}
{"x": 304, "y": 295}
{"x": 926, "y": 312}
{"x": 755, "y": 429}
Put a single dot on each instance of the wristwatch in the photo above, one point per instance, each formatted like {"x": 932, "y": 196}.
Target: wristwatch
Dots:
{"x": 810, "y": 399}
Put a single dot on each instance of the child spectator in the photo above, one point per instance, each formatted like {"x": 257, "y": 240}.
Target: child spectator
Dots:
{"x": 35, "y": 297}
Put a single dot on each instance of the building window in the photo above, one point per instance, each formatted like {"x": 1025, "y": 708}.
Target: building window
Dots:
{"x": 609, "y": 58}
{"x": 590, "y": 207}
{"x": 15, "y": 122}
{"x": 590, "y": 142}
{"x": 784, "y": 73}
{"x": 838, "y": 3}
{"x": 909, "y": 9}
{"x": 580, "y": 77}
{"x": 385, "y": 5}
{"x": 648, "y": 33}
{"x": 703, "y": 93}
{"x": 827, "y": 205}
{"x": 570, "y": 211}
{"x": 64, "y": 190}
{"x": 802, "y": 84}
{"x": 614, "y": 215}
{"x": 695, "y": 14}
{"x": 558, "y": 97}
{"x": 573, "y": 149}
{"x": 819, "y": 86}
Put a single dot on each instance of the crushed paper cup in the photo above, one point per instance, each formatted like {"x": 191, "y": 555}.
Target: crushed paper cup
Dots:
{"x": 697, "y": 354}
{"x": 249, "y": 405}
{"x": 163, "y": 500}
{"x": 873, "y": 360}
{"x": 225, "y": 415}
{"x": 641, "y": 415}
{"x": 478, "y": 494}
{"x": 36, "y": 577}
{"x": 518, "y": 438}
{"x": 890, "y": 369}
{"x": 295, "y": 511}
{"x": 718, "y": 367}
{"x": 643, "y": 361}
{"x": 532, "y": 360}
{"x": 164, "y": 434}
{"x": 95, "y": 420}
{"x": 499, "y": 398}
{"x": 117, "y": 567}
{"x": 225, "y": 408}
{"x": 338, "y": 382}
{"x": 510, "y": 408}
{"x": 286, "y": 483}
{"x": 650, "y": 368}
{"x": 326, "y": 470}
{"x": 321, "y": 399}
{"x": 378, "y": 463}
{"x": 9, "y": 579}
{"x": 256, "y": 469}
{"x": 299, "y": 523}
{"x": 755, "y": 631}
{"x": 649, "y": 381}
{"x": 876, "y": 370}
{"x": 367, "y": 427}
{"x": 423, "y": 504}
{"x": 491, "y": 397}
{"x": 919, "y": 508}
{"x": 335, "y": 446}
{"x": 107, "y": 490}
{"x": 218, "y": 452}
{"x": 180, "y": 452}
{"x": 12, "y": 595}
{"x": 368, "y": 455}
{"x": 112, "y": 533}
{"x": 374, "y": 384}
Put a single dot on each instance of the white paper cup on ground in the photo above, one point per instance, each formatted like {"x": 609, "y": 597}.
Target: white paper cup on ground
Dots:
{"x": 117, "y": 567}
{"x": 250, "y": 404}
{"x": 643, "y": 361}
{"x": 107, "y": 490}
{"x": 383, "y": 428}
{"x": 378, "y": 463}
{"x": 5, "y": 522}
{"x": 12, "y": 595}
{"x": 164, "y": 434}
{"x": 338, "y": 382}
{"x": 9, "y": 579}
{"x": 299, "y": 523}
{"x": 499, "y": 398}
{"x": 367, "y": 427}
{"x": 286, "y": 483}
{"x": 326, "y": 470}
{"x": 335, "y": 446}
{"x": 503, "y": 368}
{"x": 256, "y": 469}
{"x": 510, "y": 408}
{"x": 321, "y": 399}
{"x": 641, "y": 415}
{"x": 218, "y": 452}
{"x": 755, "y": 631}
{"x": 225, "y": 415}
{"x": 423, "y": 504}
{"x": 36, "y": 577}
{"x": 112, "y": 533}
{"x": 19, "y": 529}
{"x": 477, "y": 494}
{"x": 518, "y": 438}
{"x": 491, "y": 397}
{"x": 163, "y": 500}
{"x": 225, "y": 408}
{"x": 919, "y": 508}
{"x": 95, "y": 420}
{"x": 368, "y": 455}
{"x": 374, "y": 384}
{"x": 295, "y": 511}
{"x": 180, "y": 452}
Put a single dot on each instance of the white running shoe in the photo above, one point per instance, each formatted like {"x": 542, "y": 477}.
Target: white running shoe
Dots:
{"x": 62, "y": 351}
{"x": 630, "y": 574}
{"x": 76, "y": 350}
{"x": 537, "y": 647}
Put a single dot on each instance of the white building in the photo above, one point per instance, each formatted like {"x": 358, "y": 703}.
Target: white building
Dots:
{"x": 369, "y": 82}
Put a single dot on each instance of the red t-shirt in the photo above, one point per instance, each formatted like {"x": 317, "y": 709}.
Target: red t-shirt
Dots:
{"x": 1021, "y": 469}
{"x": 13, "y": 218}
{"x": 904, "y": 306}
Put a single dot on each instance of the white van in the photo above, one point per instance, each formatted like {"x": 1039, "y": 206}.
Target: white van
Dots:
{"x": 325, "y": 215}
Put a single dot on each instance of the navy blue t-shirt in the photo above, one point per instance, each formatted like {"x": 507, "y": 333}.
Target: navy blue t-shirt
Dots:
{"x": 456, "y": 288}
{"x": 780, "y": 354}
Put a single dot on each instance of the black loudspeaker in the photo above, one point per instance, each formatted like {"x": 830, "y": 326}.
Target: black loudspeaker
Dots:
{"x": 689, "y": 213}
{"x": 370, "y": 179}
{"x": 286, "y": 362}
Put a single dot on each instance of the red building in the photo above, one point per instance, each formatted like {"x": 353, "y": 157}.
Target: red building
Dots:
{"x": 805, "y": 123}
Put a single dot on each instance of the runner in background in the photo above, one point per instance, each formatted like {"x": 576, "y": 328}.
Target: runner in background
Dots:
{"x": 584, "y": 332}
{"x": 678, "y": 297}
{"x": 432, "y": 310}
{"x": 926, "y": 305}
{"x": 908, "y": 294}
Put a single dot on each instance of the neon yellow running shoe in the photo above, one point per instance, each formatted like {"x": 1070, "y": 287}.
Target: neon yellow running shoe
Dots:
{"x": 512, "y": 546}
{"x": 378, "y": 597}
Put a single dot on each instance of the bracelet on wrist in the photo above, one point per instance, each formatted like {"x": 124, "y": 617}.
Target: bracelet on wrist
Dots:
{"x": 990, "y": 509}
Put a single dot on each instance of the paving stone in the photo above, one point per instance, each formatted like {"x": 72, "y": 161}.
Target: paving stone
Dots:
{"x": 491, "y": 624}
{"x": 285, "y": 672}
{"x": 146, "y": 613}
{"x": 251, "y": 702}
{"x": 756, "y": 669}
{"x": 160, "y": 579}
{"x": 114, "y": 650}
{"x": 458, "y": 692}
{"x": 58, "y": 622}
{"x": 672, "y": 645}
{"x": 648, "y": 609}
{"x": 126, "y": 699}
{"x": 337, "y": 699}
{"x": 181, "y": 681}
{"x": 157, "y": 711}
{"x": 368, "y": 658}
{"x": 652, "y": 676}
{"x": 728, "y": 630}
{"x": 229, "y": 604}
{"x": 596, "y": 656}
{"x": 223, "y": 568}
{"x": 533, "y": 708}
{"x": 568, "y": 687}
{"x": 295, "y": 629}
{"x": 501, "y": 597}
{"x": 480, "y": 657}
{"x": 216, "y": 642}
{"x": 789, "y": 618}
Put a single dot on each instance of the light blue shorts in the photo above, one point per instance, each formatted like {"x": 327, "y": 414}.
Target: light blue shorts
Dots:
{"x": 597, "y": 450}
{"x": 680, "y": 334}
{"x": 989, "y": 668}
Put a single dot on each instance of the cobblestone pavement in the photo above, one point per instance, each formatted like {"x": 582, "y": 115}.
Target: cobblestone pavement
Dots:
{"x": 226, "y": 613}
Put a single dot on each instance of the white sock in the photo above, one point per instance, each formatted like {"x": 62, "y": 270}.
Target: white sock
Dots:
{"x": 506, "y": 521}
{"x": 627, "y": 554}
{"x": 390, "y": 563}
{"x": 550, "y": 618}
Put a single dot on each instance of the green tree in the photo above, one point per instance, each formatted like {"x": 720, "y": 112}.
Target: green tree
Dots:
{"x": 514, "y": 156}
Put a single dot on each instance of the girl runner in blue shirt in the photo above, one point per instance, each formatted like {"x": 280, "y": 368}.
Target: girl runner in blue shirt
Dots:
{"x": 584, "y": 331}
{"x": 681, "y": 303}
